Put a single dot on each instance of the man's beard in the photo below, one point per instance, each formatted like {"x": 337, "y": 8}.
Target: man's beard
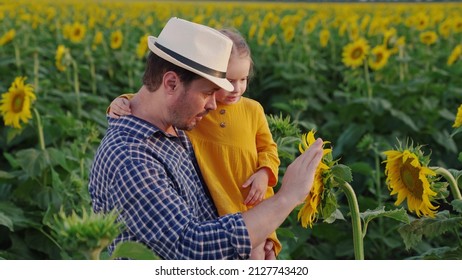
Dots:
{"x": 180, "y": 114}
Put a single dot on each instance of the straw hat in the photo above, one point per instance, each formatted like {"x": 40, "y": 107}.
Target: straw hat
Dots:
{"x": 195, "y": 47}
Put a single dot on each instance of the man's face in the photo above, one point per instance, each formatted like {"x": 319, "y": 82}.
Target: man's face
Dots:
{"x": 193, "y": 103}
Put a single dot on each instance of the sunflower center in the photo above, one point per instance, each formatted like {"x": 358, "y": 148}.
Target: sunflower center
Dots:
{"x": 410, "y": 178}
{"x": 357, "y": 53}
{"x": 17, "y": 102}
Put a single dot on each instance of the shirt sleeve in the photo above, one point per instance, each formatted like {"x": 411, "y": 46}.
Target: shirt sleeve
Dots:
{"x": 266, "y": 147}
{"x": 158, "y": 215}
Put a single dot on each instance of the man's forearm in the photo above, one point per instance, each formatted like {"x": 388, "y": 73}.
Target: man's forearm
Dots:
{"x": 266, "y": 217}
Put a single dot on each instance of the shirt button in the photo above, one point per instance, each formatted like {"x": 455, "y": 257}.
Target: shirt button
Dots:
{"x": 222, "y": 111}
{"x": 222, "y": 124}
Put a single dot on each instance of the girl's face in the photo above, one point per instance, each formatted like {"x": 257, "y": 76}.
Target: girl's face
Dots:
{"x": 237, "y": 73}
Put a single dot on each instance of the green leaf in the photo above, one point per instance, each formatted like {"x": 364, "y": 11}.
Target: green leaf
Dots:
{"x": 342, "y": 173}
{"x": 6, "y": 221}
{"x": 13, "y": 217}
{"x": 329, "y": 206}
{"x": 455, "y": 173}
{"x": 59, "y": 157}
{"x": 32, "y": 161}
{"x": 6, "y": 175}
{"x": 428, "y": 227}
{"x": 286, "y": 232}
{"x": 133, "y": 250}
{"x": 404, "y": 118}
{"x": 363, "y": 168}
{"x": 444, "y": 139}
{"x": 456, "y": 131}
{"x": 457, "y": 205}
{"x": 396, "y": 214}
{"x": 336, "y": 215}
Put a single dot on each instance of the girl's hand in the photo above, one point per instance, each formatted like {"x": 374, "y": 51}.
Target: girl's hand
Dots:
{"x": 259, "y": 183}
{"x": 119, "y": 107}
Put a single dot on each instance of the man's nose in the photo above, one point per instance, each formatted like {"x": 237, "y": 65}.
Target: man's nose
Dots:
{"x": 211, "y": 104}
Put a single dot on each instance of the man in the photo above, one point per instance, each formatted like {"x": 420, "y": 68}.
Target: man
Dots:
{"x": 146, "y": 169}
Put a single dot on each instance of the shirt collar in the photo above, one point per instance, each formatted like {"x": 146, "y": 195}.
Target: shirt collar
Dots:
{"x": 136, "y": 126}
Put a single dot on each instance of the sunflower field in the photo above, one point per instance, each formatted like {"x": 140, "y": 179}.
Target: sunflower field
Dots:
{"x": 379, "y": 83}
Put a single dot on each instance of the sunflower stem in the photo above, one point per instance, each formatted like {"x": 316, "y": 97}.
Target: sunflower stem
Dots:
{"x": 355, "y": 220}
{"x": 92, "y": 70}
{"x": 77, "y": 88}
{"x": 40, "y": 130}
{"x": 401, "y": 64}
{"x": 17, "y": 56}
{"x": 452, "y": 181}
{"x": 368, "y": 80}
{"x": 36, "y": 70}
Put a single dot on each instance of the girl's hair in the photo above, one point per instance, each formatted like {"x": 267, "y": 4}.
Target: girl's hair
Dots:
{"x": 240, "y": 47}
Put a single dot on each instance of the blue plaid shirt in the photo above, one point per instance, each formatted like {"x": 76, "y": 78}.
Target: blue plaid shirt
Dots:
{"x": 152, "y": 179}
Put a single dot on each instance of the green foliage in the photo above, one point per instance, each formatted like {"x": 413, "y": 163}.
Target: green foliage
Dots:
{"x": 301, "y": 85}
{"x": 430, "y": 228}
{"x": 396, "y": 214}
{"x": 85, "y": 235}
{"x": 133, "y": 250}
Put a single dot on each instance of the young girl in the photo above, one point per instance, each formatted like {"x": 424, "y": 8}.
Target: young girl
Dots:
{"x": 233, "y": 144}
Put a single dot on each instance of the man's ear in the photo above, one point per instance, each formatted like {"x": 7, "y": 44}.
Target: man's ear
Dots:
{"x": 171, "y": 81}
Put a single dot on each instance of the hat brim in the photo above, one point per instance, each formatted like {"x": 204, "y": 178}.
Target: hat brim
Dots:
{"x": 221, "y": 82}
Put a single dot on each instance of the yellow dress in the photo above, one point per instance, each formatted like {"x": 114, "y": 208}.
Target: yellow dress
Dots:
{"x": 231, "y": 143}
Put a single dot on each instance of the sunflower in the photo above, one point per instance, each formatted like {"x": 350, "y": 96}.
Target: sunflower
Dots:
{"x": 379, "y": 57}
{"x": 271, "y": 40}
{"x": 116, "y": 39}
{"x": 455, "y": 55}
{"x": 76, "y": 32}
{"x": 399, "y": 44}
{"x": 289, "y": 34}
{"x": 61, "y": 60}
{"x": 97, "y": 39}
{"x": 422, "y": 20}
{"x": 7, "y": 37}
{"x": 458, "y": 120}
{"x": 309, "y": 211}
{"x": 457, "y": 24}
{"x": 324, "y": 36}
{"x": 355, "y": 53}
{"x": 428, "y": 37}
{"x": 15, "y": 104}
{"x": 409, "y": 178}
{"x": 310, "y": 25}
{"x": 445, "y": 28}
{"x": 142, "y": 47}
{"x": 389, "y": 37}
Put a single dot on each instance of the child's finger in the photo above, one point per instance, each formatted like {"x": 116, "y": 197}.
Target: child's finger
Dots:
{"x": 250, "y": 197}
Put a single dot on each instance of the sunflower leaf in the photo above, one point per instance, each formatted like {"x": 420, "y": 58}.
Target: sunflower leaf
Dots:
{"x": 441, "y": 253}
{"x": 396, "y": 214}
{"x": 330, "y": 208}
{"x": 456, "y": 131}
{"x": 406, "y": 119}
{"x": 342, "y": 173}
{"x": 133, "y": 250}
{"x": 457, "y": 205}
{"x": 428, "y": 227}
